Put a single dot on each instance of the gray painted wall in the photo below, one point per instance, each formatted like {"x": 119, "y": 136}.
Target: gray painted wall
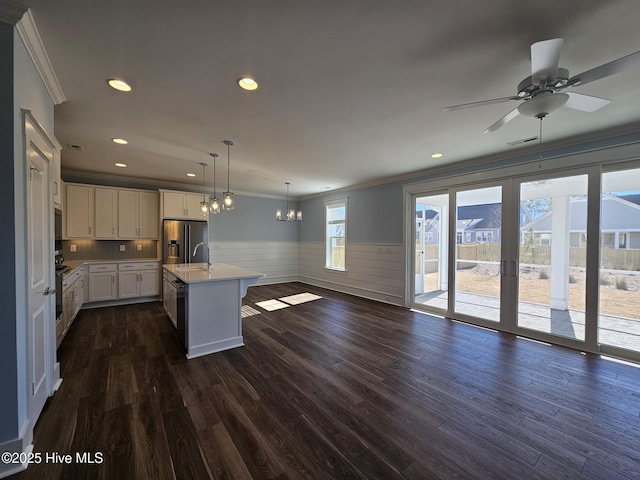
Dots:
{"x": 374, "y": 215}
{"x": 253, "y": 220}
{"x": 8, "y": 351}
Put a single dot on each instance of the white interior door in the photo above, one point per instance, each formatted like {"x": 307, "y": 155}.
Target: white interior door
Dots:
{"x": 39, "y": 276}
{"x": 41, "y": 336}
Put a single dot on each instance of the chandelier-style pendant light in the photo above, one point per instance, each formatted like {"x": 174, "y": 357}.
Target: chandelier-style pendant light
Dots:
{"x": 227, "y": 201}
{"x": 215, "y": 206}
{"x": 204, "y": 205}
{"x": 292, "y": 214}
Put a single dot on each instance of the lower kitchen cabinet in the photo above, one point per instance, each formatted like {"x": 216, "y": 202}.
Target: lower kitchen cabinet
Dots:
{"x": 137, "y": 279}
{"x": 103, "y": 282}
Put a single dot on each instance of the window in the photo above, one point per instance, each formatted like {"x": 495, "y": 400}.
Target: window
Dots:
{"x": 335, "y": 233}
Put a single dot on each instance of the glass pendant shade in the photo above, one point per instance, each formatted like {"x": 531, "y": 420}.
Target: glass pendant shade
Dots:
{"x": 215, "y": 206}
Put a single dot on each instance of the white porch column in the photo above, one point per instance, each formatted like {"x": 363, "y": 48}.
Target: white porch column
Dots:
{"x": 443, "y": 248}
{"x": 560, "y": 226}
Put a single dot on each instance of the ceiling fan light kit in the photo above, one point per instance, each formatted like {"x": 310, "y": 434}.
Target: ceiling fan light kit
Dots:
{"x": 543, "y": 104}
{"x": 540, "y": 93}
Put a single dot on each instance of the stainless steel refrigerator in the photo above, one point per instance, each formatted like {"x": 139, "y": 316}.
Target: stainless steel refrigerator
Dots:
{"x": 180, "y": 238}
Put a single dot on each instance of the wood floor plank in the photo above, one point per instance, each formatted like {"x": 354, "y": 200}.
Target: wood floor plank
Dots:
{"x": 150, "y": 445}
{"x": 186, "y": 456}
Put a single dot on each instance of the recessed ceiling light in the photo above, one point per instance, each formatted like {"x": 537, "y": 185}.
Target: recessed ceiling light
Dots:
{"x": 247, "y": 83}
{"x": 191, "y": 174}
{"x": 121, "y": 165}
{"x": 436, "y": 155}
{"x": 120, "y": 85}
{"x": 120, "y": 141}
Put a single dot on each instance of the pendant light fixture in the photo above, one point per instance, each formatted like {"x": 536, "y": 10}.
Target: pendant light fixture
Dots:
{"x": 204, "y": 205}
{"x": 227, "y": 201}
{"x": 291, "y": 214}
{"x": 215, "y": 206}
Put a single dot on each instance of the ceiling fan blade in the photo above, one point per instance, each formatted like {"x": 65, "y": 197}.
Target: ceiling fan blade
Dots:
{"x": 606, "y": 70}
{"x": 585, "y": 103}
{"x": 479, "y": 104}
{"x": 545, "y": 57}
{"x": 507, "y": 118}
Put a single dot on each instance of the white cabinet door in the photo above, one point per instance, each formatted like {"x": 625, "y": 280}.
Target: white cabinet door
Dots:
{"x": 127, "y": 214}
{"x": 192, "y": 206}
{"x": 148, "y": 215}
{"x": 106, "y": 212}
{"x": 173, "y": 205}
{"x": 79, "y": 211}
{"x": 102, "y": 286}
{"x": 128, "y": 284}
{"x": 149, "y": 283}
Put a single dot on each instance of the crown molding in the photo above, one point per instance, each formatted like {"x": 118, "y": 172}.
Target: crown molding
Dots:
{"x": 11, "y": 12}
{"x": 28, "y": 32}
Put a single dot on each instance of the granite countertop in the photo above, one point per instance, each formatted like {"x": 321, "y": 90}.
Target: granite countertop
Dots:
{"x": 198, "y": 272}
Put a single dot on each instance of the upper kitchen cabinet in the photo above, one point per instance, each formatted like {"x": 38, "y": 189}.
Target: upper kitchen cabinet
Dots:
{"x": 181, "y": 205}
{"x": 111, "y": 213}
{"x": 79, "y": 211}
{"x": 106, "y": 212}
{"x": 137, "y": 214}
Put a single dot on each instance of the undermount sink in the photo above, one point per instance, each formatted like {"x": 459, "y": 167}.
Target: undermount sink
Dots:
{"x": 191, "y": 269}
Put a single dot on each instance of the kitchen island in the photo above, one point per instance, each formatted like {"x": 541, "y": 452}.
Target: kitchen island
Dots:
{"x": 207, "y": 312}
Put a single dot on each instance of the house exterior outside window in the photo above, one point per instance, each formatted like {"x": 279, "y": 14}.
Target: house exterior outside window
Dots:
{"x": 335, "y": 233}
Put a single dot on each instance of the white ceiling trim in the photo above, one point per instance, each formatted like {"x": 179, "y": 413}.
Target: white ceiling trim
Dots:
{"x": 28, "y": 32}
{"x": 11, "y": 12}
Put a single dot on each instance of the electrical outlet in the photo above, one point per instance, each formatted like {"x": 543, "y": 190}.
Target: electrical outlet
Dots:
{"x": 122, "y": 248}
{"x": 72, "y": 248}
{"x": 139, "y": 248}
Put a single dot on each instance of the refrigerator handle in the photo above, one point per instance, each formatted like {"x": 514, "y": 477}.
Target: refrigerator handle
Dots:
{"x": 186, "y": 244}
{"x": 188, "y": 251}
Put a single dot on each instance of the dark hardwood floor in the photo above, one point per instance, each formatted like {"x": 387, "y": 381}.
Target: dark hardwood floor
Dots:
{"x": 335, "y": 388}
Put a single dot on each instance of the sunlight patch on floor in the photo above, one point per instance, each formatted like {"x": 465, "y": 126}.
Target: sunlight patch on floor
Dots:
{"x": 271, "y": 305}
{"x": 248, "y": 311}
{"x": 299, "y": 298}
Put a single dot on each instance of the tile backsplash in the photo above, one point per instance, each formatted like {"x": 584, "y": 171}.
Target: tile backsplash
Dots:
{"x": 109, "y": 249}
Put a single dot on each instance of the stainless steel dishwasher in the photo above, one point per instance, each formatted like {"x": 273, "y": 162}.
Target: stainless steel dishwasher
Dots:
{"x": 181, "y": 289}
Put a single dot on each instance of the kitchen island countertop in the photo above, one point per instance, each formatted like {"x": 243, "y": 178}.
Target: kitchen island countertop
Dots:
{"x": 197, "y": 272}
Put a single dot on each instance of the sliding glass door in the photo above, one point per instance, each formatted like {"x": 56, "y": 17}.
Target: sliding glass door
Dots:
{"x": 619, "y": 285}
{"x": 552, "y": 255}
{"x": 478, "y": 253}
{"x": 431, "y": 250}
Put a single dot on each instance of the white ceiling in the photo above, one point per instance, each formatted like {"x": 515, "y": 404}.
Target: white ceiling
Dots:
{"x": 350, "y": 91}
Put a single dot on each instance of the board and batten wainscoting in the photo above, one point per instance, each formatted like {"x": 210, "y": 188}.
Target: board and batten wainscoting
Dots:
{"x": 373, "y": 270}
{"x": 277, "y": 260}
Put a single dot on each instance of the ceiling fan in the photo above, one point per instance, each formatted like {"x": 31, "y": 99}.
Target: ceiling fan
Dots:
{"x": 540, "y": 94}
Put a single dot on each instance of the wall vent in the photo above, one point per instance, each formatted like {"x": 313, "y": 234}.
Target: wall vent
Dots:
{"x": 524, "y": 140}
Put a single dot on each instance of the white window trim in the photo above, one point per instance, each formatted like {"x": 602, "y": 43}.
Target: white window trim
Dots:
{"x": 328, "y": 203}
